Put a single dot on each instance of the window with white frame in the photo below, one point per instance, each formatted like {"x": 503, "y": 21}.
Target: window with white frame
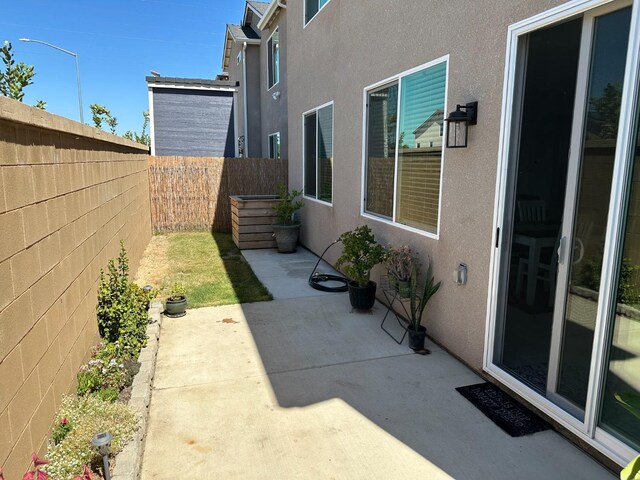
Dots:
{"x": 311, "y": 8}
{"x": 274, "y": 145}
{"x": 318, "y": 153}
{"x": 273, "y": 64}
{"x": 404, "y": 146}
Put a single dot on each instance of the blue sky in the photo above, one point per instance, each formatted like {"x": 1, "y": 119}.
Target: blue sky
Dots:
{"x": 118, "y": 42}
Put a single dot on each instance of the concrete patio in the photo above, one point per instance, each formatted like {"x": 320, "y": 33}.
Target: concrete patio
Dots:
{"x": 301, "y": 387}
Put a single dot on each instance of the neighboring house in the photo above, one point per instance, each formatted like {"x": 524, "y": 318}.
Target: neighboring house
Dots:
{"x": 192, "y": 117}
{"x": 367, "y": 90}
{"x": 430, "y": 133}
{"x": 243, "y": 112}
{"x": 254, "y": 58}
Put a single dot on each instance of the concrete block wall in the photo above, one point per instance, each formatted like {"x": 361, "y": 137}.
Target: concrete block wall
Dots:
{"x": 68, "y": 194}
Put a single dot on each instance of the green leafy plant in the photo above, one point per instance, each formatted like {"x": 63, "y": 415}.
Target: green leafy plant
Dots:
{"x": 122, "y": 307}
{"x": 60, "y": 431}
{"x": 144, "y": 137}
{"x": 420, "y": 296}
{"x": 15, "y": 77}
{"x": 105, "y": 374}
{"x": 89, "y": 415}
{"x": 287, "y": 205}
{"x": 177, "y": 291}
{"x": 41, "y": 104}
{"x": 628, "y": 291}
{"x": 100, "y": 115}
{"x": 360, "y": 253}
{"x": 631, "y": 402}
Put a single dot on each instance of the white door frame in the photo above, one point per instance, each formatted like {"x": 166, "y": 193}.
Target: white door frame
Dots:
{"x": 587, "y": 430}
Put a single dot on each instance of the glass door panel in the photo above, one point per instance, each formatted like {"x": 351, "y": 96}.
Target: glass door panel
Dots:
{"x": 538, "y": 182}
{"x": 587, "y": 220}
{"x": 623, "y": 373}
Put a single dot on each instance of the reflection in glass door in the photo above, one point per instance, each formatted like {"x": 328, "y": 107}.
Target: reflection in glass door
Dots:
{"x": 622, "y": 377}
{"x": 586, "y": 208}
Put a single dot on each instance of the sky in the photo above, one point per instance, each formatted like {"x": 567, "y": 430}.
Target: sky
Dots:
{"x": 118, "y": 42}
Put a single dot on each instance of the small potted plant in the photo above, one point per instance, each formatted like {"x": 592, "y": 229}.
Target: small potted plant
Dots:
{"x": 360, "y": 253}
{"x": 287, "y": 229}
{"x": 399, "y": 262}
{"x": 176, "y": 304}
{"x": 418, "y": 299}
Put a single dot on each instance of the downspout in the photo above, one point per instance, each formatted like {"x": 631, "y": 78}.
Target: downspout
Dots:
{"x": 281, "y": 5}
{"x": 244, "y": 103}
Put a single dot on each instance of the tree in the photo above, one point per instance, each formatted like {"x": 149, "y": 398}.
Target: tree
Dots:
{"x": 16, "y": 77}
{"x": 607, "y": 109}
{"x": 41, "y": 104}
{"x": 103, "y": 114}
{"x": 144, "y": 136}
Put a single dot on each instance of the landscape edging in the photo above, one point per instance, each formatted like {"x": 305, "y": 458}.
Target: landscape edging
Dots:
{"x": 129, "y": 460}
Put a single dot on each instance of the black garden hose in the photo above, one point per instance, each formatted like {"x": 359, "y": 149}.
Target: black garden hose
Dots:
{"x": 317, "y": 279}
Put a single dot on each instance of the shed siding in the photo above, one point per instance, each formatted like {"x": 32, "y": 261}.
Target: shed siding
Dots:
{"x": 193, "y": 122}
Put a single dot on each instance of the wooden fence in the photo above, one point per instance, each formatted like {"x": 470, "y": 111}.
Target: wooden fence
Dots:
{"x": 192, "y": 193}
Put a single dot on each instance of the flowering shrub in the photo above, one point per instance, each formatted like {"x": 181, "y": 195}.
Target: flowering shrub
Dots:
{"x": 88, "y": 415}
{"x": 400, "y": 261}
{"x": 105, "y": 374}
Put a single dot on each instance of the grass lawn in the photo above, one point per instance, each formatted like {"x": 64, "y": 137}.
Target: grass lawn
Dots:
{"x": 210, "y": 267}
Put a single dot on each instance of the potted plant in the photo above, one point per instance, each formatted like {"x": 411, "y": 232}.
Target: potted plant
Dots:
{"x": 399, "y": 262}
{"x": 360, "y": 253}
{"x": 287, "y": 230}
{"x": 176, "y": 304}
{"x": 418, "y": 299}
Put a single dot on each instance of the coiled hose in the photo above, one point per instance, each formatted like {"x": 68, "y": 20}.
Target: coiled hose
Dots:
{"x": 317, "y": 279}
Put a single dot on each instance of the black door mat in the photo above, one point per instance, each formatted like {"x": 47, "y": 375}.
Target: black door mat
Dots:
{"x": 503, "y": 410}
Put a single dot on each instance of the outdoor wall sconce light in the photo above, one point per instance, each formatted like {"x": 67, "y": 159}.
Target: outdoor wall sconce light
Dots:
{"x": 102, "y": 443}
{"x": 275, "y": 95}
{"x": 457, "y": 123}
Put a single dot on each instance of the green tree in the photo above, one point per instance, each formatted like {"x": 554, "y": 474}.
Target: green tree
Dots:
{"x": 607, "y": 109}
{"x": 102, "y": 115}
{"x": 41, "y": 104}
{"x": 144, "y": 137}
{"x": 15, "y": 77}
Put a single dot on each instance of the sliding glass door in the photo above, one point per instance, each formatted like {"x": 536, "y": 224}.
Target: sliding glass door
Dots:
{"x": 558, "y": 263}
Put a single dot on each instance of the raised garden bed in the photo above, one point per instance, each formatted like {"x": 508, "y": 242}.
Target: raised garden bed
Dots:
{"x": 251, "y": 218}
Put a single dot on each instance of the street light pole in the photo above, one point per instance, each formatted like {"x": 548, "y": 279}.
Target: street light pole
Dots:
{"x": 73, "y": 54}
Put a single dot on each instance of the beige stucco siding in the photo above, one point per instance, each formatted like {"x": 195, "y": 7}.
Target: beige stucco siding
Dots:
{"x": 349, "y": 46}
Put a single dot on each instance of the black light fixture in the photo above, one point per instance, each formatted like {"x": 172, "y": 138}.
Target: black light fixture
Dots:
{"x": 457, "y": 123}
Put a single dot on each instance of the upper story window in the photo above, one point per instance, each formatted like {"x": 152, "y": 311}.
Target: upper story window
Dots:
{"x": 404, "y": 147}
{"x": 311, "y": 8}
{"x": 274, "y": 145}
{"x": 273, "y": 47}
{"x": 318, "y": 153}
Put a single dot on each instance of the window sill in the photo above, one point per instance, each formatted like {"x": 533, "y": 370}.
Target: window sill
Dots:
{"x": 422, "y": 233}
{"x": 316, "y": 200}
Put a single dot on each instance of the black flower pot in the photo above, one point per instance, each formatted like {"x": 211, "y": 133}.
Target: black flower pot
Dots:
{"x": 417, "y": 337}
{"x": 362, "y": 298}
{"x": 175, "y": 308}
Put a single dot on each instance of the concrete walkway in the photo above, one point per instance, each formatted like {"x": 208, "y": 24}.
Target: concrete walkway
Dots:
{"x": 303, "y": 388}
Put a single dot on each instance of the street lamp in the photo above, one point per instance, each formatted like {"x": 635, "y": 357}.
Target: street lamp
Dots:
{"x": 73, "y": 54}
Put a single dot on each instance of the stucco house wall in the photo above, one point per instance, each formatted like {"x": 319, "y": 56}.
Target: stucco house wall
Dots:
{"x": 342, "y": 51}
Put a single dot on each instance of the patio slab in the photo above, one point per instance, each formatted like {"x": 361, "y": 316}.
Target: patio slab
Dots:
{"x": 305, "y": 388}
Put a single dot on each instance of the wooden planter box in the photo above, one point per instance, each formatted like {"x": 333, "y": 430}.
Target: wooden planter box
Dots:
{"x": 251, "y": 219}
